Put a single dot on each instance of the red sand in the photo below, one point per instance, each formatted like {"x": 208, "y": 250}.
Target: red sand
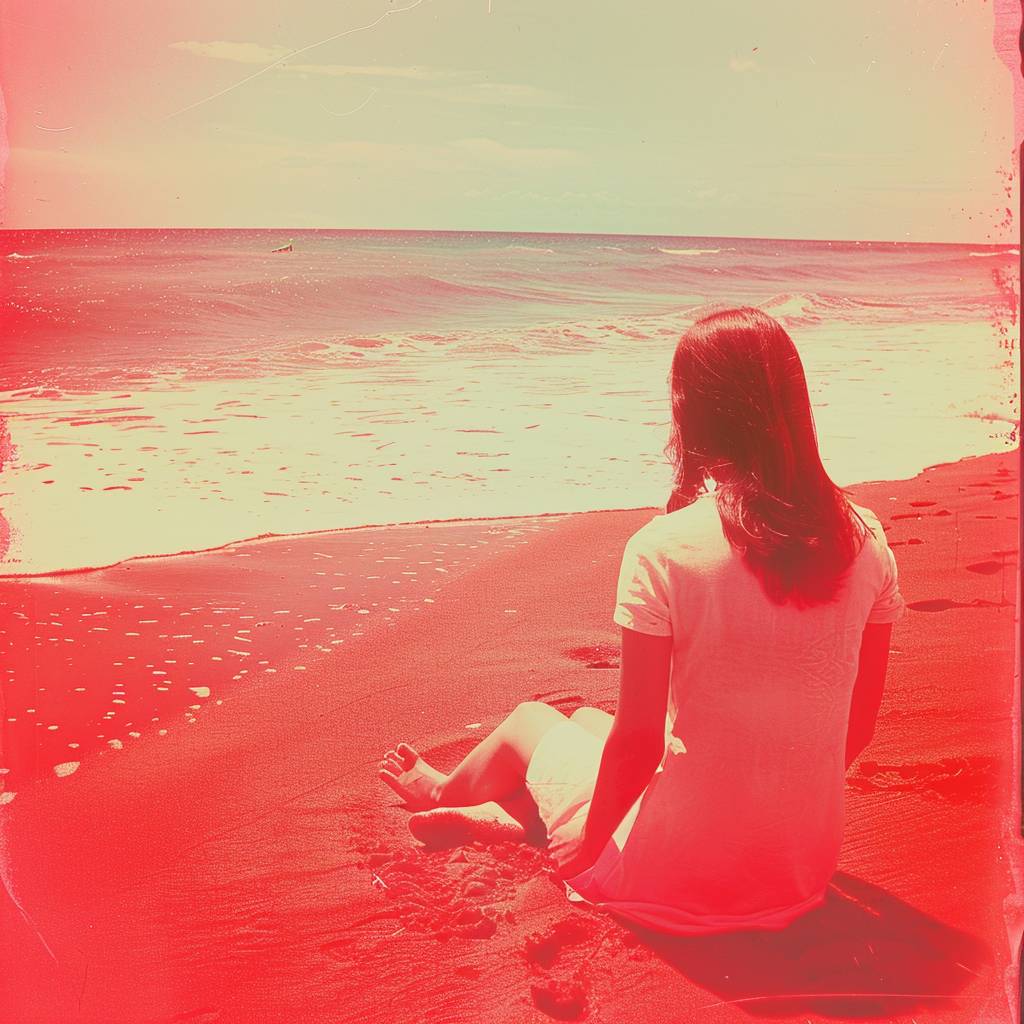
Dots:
{"x": 248, "y": 866}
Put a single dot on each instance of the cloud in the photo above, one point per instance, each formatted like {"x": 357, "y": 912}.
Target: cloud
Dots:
{"x": 471, "y": 155}
{"x": 742, "y": 65}
{"x": 371, "y": 71}
{"x": 484, "y": 93}
{"x": 256, "y": 53}
{"x": 243, "y": 53}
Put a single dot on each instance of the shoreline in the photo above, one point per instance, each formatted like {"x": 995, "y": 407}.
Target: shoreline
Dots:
{"x": 330, "y": 531}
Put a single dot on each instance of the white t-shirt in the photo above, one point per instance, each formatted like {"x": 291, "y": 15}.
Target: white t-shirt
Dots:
{"x": 742, "y": 825}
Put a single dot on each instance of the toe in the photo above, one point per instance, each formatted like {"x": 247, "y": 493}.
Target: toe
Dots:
{"x": 386, "y": 777}
{"x": 407, "y": 754}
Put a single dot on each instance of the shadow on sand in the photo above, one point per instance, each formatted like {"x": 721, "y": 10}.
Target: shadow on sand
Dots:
{"x": 863, "y": 954}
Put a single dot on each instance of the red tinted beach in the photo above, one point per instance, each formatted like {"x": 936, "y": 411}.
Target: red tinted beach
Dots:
{"x": 238, "y": 859}
{"x": 347, "y": 353}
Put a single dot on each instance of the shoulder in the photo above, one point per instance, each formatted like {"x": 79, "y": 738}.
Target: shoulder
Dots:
{"x": 864, "y": 512}
{"x": 683, "y": 528}
{"x": 875, "y": 551}
{"x": 870, "y": 520}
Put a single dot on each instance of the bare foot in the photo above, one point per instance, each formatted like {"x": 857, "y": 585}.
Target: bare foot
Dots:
{"x": 444, "y": 827}
{"x": 415, "y": 781}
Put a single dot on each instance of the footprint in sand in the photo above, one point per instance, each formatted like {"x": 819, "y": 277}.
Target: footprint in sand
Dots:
{"x": 448, "y": 894}
{"x": 957, "y": 779}
{"x": 938, "y": 604}
{"x": 985, "y": 568}
{"x": 566, "y": 701}
{"x": 544, "y": 947}
{"x": 562, "y": 999}
{"x": 944, "y": 604}
{"x": 595, "y": 655}
{"x": 565, "y": 997}
{"x": 572, "y": 957}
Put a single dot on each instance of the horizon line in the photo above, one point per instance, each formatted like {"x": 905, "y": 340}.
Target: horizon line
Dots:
{"x": 508, "y": 231}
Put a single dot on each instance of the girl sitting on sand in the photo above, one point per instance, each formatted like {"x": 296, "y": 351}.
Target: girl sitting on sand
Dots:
{"x": 756, "y": 617}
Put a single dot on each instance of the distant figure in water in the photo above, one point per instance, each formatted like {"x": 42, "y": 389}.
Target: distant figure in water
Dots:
{"x": 756, "y": 615}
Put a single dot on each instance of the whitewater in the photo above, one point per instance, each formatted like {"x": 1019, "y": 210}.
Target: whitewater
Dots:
{"x": 167, "y": 391}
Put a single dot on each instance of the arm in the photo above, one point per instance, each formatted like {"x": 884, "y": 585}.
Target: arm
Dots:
{"x": 635, "y": 745}
{"x": 867, "y": 690}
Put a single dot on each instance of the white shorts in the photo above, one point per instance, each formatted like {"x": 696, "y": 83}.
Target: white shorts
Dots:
{"x": 561, "y": 776}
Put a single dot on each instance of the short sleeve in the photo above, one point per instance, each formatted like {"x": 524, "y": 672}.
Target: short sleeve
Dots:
{"x": 889, "y": 604}
{"x": 642, "y": 595}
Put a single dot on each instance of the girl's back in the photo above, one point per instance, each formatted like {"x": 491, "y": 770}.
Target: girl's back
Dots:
{"x": 742, "y": 826}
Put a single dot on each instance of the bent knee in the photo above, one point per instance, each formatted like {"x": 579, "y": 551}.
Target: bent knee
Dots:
{"x": 537, "y": 709}
{"x": 594, "y": 720}
{"x": 527, "y": 725}
{"x": 594, "y": 716}
{"x": 533, "y": 718}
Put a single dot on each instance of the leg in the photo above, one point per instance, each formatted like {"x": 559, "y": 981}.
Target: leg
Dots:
{"x": 512, "y": 819}
{"x": 520, "y": 804}
{"x": 496, "y": 768}
{"x": 595, "y": 721}
{"x": 493, "y": 771}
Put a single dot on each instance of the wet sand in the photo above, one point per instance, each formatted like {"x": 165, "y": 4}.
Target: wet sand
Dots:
{"x": 238, "y": 860}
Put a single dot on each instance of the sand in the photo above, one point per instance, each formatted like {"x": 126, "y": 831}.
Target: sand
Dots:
{"x": 238, "y": 860}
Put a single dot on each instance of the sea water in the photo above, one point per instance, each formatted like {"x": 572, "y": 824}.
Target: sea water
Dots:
{"x": 174, "y": 390}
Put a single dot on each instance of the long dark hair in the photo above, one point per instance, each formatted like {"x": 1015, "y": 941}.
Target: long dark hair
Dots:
{"x": 741, "y": 414}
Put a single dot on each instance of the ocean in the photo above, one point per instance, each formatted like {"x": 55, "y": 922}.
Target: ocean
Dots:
{"x": 175, "y": 390}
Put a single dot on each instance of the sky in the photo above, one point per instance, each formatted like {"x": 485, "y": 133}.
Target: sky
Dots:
{"x": 880, "y": 119}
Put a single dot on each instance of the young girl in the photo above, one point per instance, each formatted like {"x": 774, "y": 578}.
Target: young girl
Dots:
{"x": 756, "y": 615}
